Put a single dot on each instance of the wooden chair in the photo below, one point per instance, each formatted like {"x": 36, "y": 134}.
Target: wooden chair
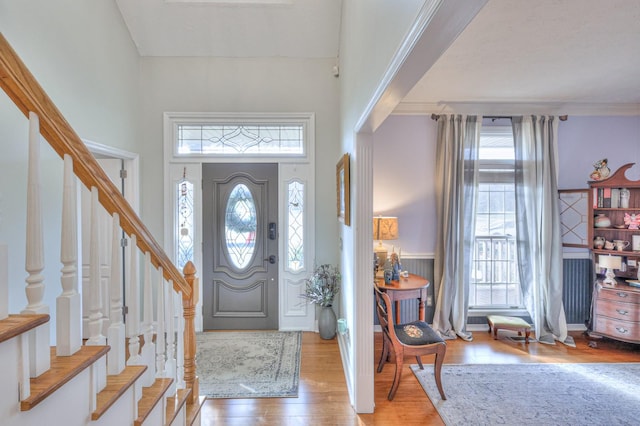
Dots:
{"x": 415, "y": 338}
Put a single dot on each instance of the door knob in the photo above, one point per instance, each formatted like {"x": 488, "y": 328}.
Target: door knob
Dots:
{"x": 271, "y": 259}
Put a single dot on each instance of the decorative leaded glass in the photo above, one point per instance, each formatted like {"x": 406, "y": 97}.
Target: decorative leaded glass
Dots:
{"x": 295, "y": 224}
{"x": 240, "y": 226}
{"x": 184, "y": 237}
{"x": 231, "y": 139}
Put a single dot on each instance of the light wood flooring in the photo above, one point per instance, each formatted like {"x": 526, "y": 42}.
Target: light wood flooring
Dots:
{"x": 323, "y": 398}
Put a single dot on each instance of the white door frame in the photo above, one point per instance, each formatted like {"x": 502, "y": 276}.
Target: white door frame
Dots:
{"x": 130, "y": 163}
{"x": 294, "y": 312}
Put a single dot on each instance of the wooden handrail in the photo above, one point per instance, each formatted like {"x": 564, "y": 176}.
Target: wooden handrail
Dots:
{"x": 28, "y": 95}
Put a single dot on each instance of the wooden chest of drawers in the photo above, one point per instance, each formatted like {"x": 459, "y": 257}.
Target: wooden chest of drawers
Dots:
{"x": 616, "y": 312}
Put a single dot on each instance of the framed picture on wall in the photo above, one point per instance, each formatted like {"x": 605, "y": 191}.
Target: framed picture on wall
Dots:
{"x": 342, "y": 190}
{"x": 574, "y": 205}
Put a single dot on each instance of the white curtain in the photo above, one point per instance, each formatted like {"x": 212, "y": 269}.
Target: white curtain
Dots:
{"x": 538, "y": 225}
{"x": 456, "y": 184}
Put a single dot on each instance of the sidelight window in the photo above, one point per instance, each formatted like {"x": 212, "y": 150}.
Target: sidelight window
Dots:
{"x": 295, "y": 226}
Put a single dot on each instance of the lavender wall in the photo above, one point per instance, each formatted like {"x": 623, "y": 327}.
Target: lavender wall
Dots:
{"x": 404, "y": 153}
{"x": 584, "y": 140}
{"x": 403, "y": 174}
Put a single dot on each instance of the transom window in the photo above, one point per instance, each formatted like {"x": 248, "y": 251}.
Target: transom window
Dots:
{"x": 495, "y": 282}
{"x": 240, "y": 139}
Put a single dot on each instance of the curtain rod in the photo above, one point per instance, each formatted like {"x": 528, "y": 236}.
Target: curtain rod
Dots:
{"x": 495, "y": 117}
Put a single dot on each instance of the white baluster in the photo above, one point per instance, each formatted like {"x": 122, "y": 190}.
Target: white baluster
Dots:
{"x": 170, "y": 366}
{"x": 39, "y": 343}
{"x": 68, "y": 304}
{"x": 95, "y": 315}
{"x": 160, "y": 327}
{"x": 133, "y": 316}
{"x": 180, "y": 337}
{"x": 148, "y": 349}
{"x": 116, "y": 333}
{"x": 96, "y": 338}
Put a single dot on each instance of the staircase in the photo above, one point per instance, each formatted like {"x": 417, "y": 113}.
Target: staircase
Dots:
{"x": 143, "y": 371}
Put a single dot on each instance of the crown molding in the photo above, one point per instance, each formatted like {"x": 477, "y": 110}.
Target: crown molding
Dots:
{"x": 516, "y": 108}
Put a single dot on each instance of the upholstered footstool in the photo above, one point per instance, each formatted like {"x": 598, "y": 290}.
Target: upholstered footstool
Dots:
{"x": 497, "y": 322}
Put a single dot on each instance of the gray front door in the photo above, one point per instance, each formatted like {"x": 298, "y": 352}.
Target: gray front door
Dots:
{"x": 240, "y": 246}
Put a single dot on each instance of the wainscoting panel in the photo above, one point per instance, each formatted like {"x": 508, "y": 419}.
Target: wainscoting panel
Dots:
{"x": 578, "y": 285}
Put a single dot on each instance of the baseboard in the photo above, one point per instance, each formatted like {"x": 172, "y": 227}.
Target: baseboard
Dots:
{"x": 346, "y": 364}
{"x": 485, "y": 327}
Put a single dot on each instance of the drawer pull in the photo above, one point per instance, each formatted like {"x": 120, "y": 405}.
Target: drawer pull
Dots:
{"x": 620, "y": 294}
{"x": 622, "y": 330}
{"x": 621, "y": 312}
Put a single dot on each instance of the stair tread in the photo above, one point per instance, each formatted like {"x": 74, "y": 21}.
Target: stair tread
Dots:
{"x": 14, "y": 325}
{"x": 193, "y": 409}
{"x": 150, "y": 397}
{"x": 63, "y": 369}
{"x": 175, "y": 404}
{"x": 117, "y": 385}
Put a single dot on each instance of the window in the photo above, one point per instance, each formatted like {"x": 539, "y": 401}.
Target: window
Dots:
{"x": 295, "y": 226}
{"x": 241, "y": 139}
{"x": 495, "y": 282}
{"x": 185, "y": 231}
{"x": 240, "y": 226}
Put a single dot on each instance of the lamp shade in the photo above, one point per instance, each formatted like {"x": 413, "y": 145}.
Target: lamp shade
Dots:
{"x": 610, "y": 262}
{"x": 385, "y": 228}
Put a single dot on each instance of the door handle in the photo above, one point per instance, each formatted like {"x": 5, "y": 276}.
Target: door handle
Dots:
{"x": 271, "y": 259}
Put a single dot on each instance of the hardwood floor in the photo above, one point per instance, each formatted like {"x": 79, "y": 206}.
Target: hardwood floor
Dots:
{"x": 323, "y": 398}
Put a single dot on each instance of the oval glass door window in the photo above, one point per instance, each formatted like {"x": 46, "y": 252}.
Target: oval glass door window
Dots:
{"x": 240, "y": 226}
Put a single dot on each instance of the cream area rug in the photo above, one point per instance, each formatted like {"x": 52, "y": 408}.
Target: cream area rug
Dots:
{"x": 248, "y": 364}
{"x": 536, "y": 394}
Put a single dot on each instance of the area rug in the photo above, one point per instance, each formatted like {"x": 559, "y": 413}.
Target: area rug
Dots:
{"x": 251, "y": 364}
{"x": 536, "y": 394}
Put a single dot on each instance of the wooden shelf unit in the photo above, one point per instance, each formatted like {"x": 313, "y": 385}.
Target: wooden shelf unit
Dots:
{"x": 616, "y": 309}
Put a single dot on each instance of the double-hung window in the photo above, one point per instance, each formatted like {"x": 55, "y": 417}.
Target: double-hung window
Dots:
{"x": 494, "y": 277}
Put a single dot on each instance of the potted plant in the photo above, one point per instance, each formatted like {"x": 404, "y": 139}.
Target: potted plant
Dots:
{"x": 321, "y": 288}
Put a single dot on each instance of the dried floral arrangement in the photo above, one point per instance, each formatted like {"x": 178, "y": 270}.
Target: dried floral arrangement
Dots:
{"x": 323, "y": 285}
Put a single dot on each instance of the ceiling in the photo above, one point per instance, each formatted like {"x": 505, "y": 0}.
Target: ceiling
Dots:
{"x": 571, "y": 54}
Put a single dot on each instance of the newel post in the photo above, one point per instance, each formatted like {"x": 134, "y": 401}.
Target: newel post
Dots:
{"x": 189, "y": 337}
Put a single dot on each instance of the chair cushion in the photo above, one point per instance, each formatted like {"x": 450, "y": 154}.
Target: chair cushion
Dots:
{"x": 417, "y": 333}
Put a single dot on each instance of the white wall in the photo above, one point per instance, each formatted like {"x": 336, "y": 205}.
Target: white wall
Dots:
{"x": 242, "y": 85}
{"x": 372, "y": 31}
{"x": 83, "y": 57}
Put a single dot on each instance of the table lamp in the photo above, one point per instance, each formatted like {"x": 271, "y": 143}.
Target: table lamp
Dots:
{"x": 610, "y": 263}
{"x": 384, "y": 228}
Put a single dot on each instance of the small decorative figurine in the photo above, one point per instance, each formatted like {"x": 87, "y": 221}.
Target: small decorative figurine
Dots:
{"x": 624, "y": 198}
{"x": 601, "y": 170}
{"x": 388, "y": 271}
{"x": 632, "y": 220}
{"x": 395, "y": 265}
